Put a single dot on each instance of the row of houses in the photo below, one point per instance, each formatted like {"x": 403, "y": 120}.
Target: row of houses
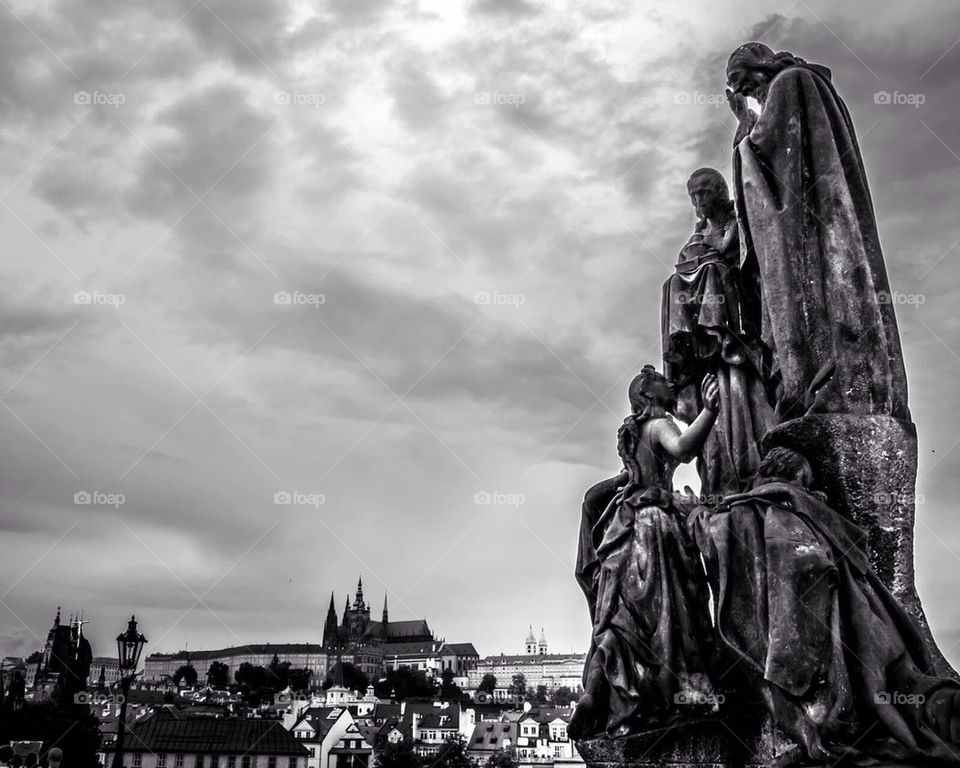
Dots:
{"x": 348, "y": 736}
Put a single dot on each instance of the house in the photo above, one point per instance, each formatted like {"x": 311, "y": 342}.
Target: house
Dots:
{"x": 331, "y": 736}
{"x": 170, "y": 738}
{"x": 489, "y": 737}
{"x": 542, "y": 737}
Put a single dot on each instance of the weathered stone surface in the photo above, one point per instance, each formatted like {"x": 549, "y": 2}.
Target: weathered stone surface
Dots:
{"x": 867, "y": 466}
{"x": 739, "y": 742}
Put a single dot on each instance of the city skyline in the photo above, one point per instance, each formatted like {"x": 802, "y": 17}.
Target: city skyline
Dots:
{"x": 298, "y": 293}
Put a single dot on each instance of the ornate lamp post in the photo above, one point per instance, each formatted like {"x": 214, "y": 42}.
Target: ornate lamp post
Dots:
{"x": 129, "y": 646}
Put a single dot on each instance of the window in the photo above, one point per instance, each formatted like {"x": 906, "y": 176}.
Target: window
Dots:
{"x": 137, "y": 759}
{"x": 271, "y": 762}
{"x": 162, "y": 761}
{"x": 245, "y": 762}
{"x": 199, "y": 761}
{"x": 232, "y": 761}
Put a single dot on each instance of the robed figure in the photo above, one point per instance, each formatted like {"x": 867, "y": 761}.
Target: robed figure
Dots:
{"x": 641, "y": 573}
{"x": 799, "y": 612}
{"x": 810, "y": 239}
{"x": 706, "y": 331}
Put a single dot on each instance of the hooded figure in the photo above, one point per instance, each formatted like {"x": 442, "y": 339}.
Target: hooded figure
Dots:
{"x": 809, "y": 238}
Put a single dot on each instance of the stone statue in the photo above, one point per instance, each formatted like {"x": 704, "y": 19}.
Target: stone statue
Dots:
{"x": 809, "y": 234}
{"x": 644, "y": 582}
{"x": 704, "y": 331}
{"x": 839, "y": 664}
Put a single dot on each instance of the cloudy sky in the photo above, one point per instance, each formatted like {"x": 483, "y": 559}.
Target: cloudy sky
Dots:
{"x": 471, "y": 205}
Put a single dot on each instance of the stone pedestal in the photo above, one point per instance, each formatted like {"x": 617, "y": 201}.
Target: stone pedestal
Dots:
{"x": 867, "y": 466}
{"x": 731, "y": 742}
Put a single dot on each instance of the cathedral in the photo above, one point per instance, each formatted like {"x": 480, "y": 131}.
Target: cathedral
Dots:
{"x": 356, "y": 627}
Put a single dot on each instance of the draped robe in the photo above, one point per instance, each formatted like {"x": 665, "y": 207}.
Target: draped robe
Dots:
{"x": 809, "y": 239}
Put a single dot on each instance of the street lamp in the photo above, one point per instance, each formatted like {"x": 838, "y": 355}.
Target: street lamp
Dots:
{"x": 129, "y": 647}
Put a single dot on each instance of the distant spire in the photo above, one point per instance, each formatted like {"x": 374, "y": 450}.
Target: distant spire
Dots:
{"x": 358, "y": 603}
{"x": 386, "y": 620}
{"x": 56, "y": 621}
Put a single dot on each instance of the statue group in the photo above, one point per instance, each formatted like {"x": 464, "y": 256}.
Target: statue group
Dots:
{"x": 778, "y": 589}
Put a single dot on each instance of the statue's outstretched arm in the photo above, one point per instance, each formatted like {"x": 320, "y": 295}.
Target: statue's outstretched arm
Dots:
{"x": 686, "y": 445}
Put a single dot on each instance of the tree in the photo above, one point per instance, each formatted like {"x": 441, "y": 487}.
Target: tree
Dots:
{"x": 538, "y": 696}
{"x": 398, "y": 756}
{"x": 278, "y": 673}
{"x": 502, "y": 758}
{"x": 518, "y": 686}
{"x": 299, "y": 679}
{"x": 405, "y": 683}
{"x": 250, "y": 676}
{"x": 488, "y": 684}
{"x": 218, "y": 676}
{"x": 453, "y": 754}
{"x": 449, "y": 689}
{"x": 353, "y": 677}
{"x": 562, "y": 697}
{"x": 187, "y": 674}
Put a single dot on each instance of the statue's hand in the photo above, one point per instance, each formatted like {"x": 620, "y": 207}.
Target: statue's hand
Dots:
{"x": 710, "y": 390}
{"x": 738, "y": 105}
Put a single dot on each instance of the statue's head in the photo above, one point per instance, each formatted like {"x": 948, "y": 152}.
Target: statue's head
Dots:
{"x": 651, "y": 391}
{"x": 752, "y": 67}
{"x": 708, "y": 192}
{"x": 787, "y": 466}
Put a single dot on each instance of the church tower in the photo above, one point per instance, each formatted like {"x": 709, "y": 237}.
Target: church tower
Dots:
{"x": 542, "y": 647}
{"x": 531, "y": 642}
{"x": 385, "y": 619}
{"x": 330, "y": 626}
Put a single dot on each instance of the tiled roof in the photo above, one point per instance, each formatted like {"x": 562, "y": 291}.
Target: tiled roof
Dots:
{"x": 461, "y": 649}
{"x": 490, "y": 736}
{"x": 446, "y": 718}
{"x": 321, "y": 718}
{"x": 166, "y": 732}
